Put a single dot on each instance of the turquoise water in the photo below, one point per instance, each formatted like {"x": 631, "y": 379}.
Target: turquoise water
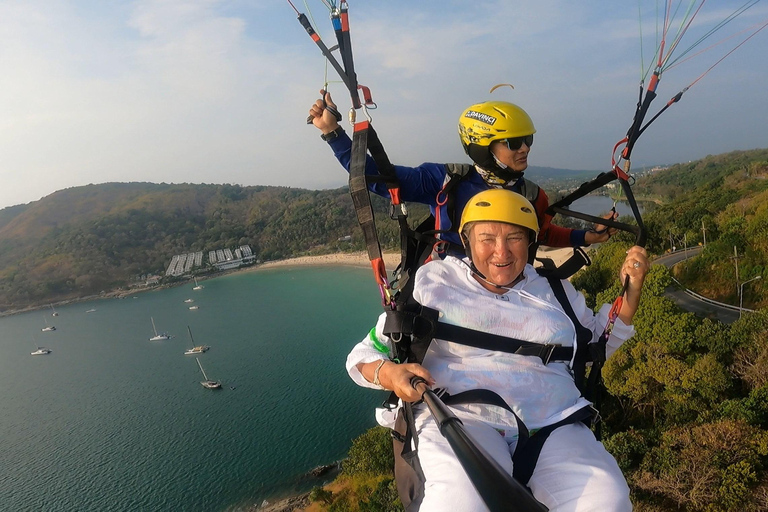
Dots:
{"x": 112, "y": 421}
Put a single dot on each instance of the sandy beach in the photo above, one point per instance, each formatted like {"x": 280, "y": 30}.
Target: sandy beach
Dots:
{"x": 357, "y": 259}
{"x": 391, "y": 259}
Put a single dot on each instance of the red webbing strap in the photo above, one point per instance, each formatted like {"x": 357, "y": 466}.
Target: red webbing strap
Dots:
{"x": 341, "y": 26}
{"x": 367, "y": 98}
{"x": 358, "y": 189}
{"x": 387, "y": 170}
{"x": 440, "y": 200}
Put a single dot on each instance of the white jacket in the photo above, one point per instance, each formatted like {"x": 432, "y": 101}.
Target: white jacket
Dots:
{"x": 540, "y": 395}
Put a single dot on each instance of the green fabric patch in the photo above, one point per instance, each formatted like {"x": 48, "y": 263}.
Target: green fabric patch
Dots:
{"x": 376, "y": 343}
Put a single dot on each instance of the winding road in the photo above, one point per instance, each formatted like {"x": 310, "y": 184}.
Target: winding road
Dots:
{"x": 686, "y": 300}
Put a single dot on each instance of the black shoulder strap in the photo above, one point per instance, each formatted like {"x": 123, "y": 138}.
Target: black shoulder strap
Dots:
{"x": 529, "y": 190}
{"x": 583, "y": 335}
{"x": 455, "y": 173}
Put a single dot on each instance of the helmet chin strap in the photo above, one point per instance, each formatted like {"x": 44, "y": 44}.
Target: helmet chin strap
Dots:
{"x": 498, "y": 173}
{"x": 504, "y": 172}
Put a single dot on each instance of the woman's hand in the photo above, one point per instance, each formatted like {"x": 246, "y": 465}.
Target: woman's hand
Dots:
{"x": 397, "y": 377}
{"x": 636, "y": 266}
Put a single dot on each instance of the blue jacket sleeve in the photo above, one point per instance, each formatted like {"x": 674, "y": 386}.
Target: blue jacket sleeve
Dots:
{"x": 417, "y": 184}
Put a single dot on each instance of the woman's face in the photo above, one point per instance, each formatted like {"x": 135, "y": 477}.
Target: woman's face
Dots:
{"x": 514, "y": 159}
{"x": 499, "y": 251}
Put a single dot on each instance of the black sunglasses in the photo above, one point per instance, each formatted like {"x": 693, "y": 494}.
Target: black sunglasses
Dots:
{"x": 516, "y": 143}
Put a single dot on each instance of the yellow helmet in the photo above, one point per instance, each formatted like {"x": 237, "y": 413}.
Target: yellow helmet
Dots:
{"x": 486, "y": 122}
{"x": 500, "y": 205}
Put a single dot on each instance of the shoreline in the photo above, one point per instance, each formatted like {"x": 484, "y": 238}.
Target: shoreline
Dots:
{"x": 391, "y": 259}
{"x": 355, "y": 259}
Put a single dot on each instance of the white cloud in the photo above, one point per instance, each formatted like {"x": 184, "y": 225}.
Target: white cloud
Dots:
{"x": 215, "y": 91}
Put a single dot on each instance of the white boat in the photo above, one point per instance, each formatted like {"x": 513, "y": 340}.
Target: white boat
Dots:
{"x": 199, "y": 349}
{"x": 207, "y": 383}
{"x": 54, "y": 311}
{"x": 41, "y": 351}
{"x": 158, "y": 337}
{"x": 91, "y": 310}
{"x": 47, "y": 328}
{"x": 194, "y": 307}
{"x": 197, "y": 286}
{"x": 188, "y": 301}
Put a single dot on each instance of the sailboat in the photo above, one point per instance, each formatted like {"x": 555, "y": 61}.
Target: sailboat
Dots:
{"x": 195, "y": 349}
{"x": 197, "y": 286}
{"x": 54, "y": 311}
{"x": 40, "y": 351}
{"x": 207, "y": 383}
{"x": 47, "y": 328}
{"x": 158, "y": 337}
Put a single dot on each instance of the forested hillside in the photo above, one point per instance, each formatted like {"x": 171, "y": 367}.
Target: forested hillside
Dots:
{"x": 84, "y": 240}
{"x": 725, "y": 199}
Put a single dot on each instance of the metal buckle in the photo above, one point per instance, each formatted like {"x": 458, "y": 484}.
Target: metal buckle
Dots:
{"x": 546, "y": 355}
{"x": 394, "y": 215}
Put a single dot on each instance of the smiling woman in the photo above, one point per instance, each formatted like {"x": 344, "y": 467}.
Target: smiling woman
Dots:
{"x": 507, "y": 336}
{"x": 499, "y": 252}
{"x": 497, "y": 228}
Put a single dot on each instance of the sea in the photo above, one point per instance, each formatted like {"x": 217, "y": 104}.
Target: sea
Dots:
{"x": 110, "y": 421}
{"x": 598, "y": 205}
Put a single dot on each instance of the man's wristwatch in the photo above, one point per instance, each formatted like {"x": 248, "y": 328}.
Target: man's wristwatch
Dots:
{"x": 327, "y": 137}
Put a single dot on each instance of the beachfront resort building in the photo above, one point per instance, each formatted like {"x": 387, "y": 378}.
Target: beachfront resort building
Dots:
{"x": 220, "y": 259}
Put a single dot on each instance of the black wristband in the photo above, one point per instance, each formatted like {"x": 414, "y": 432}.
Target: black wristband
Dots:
{"x": 327, "y": 137}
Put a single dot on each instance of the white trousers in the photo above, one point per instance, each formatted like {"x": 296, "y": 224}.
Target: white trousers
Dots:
{"x": 574, "y": 472}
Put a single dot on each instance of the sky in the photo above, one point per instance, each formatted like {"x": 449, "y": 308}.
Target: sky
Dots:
{"x": 218, "y": 91}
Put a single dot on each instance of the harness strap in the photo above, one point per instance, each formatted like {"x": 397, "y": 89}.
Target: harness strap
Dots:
{"x": 409, "y": 477}
{"x": 525, "y": 458}
{"x": 454, "y": 174}
{"x": 583, "y": 335}
{"x": 486, "y": 396}
{"x": 423, "y": 326}
{"x": 416, "y": 247}
{"x": 362, "y": 204}
{"x": 487, "y": 341}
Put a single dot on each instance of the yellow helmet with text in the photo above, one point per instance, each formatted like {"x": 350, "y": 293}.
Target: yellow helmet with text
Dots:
{"x": 486, "y": 122}
{"x": 499, "y": 205}
{"x": 483, "y": 123}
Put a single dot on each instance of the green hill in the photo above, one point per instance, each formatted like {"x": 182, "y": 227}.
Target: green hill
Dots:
{"x": 84, "y": 240}
{"x": 725, "y": 199}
